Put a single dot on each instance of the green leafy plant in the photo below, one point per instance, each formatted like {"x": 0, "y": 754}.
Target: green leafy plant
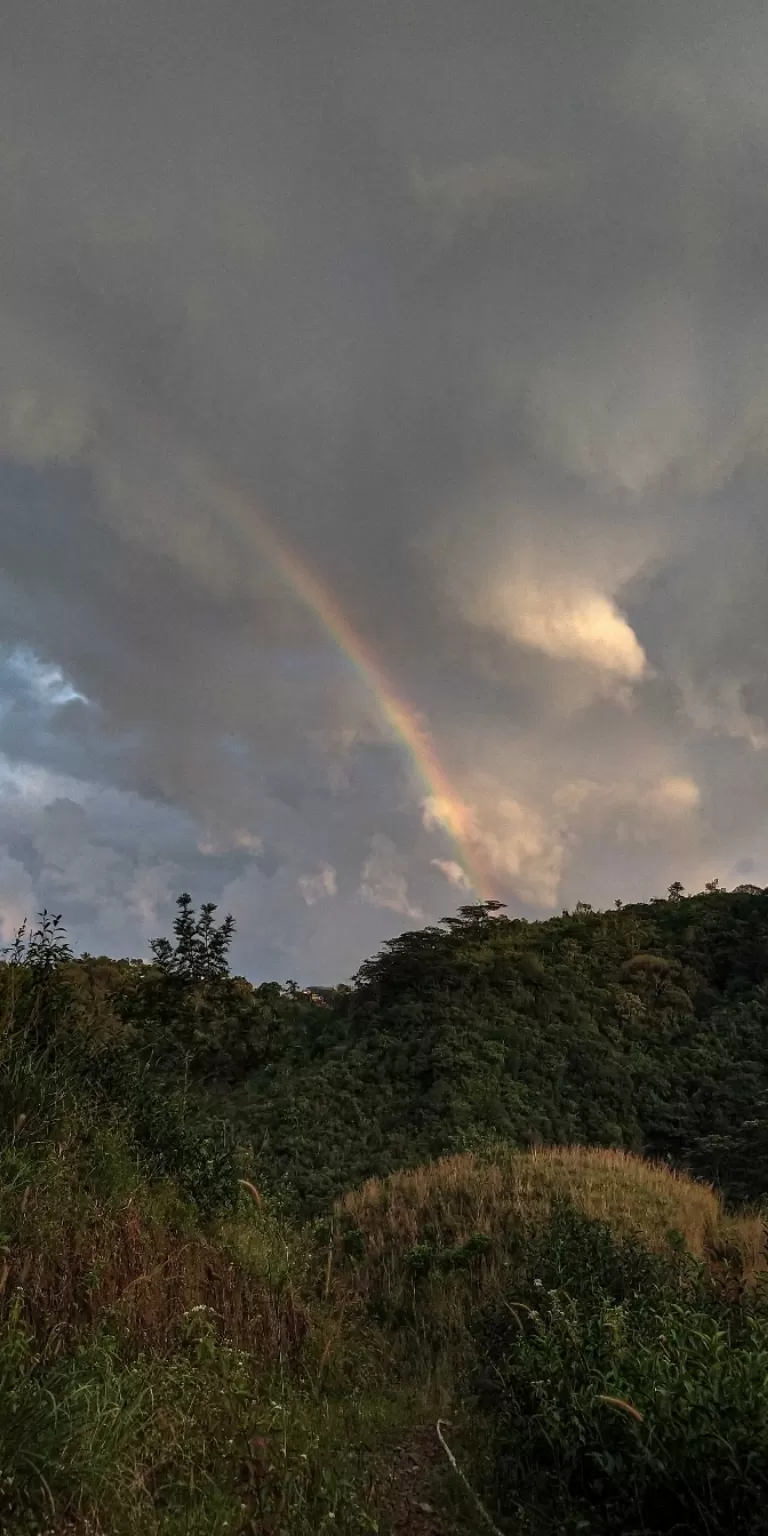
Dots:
{"x": 622, "y": 1389}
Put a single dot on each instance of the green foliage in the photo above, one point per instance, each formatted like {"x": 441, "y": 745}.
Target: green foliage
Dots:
{"x": 40, "y": 949}
{"x": 424, "y": 1259}
{"x": 622, "y": 1393}
{"x": 59, "y": 1080}
{"x": 605, "y": 1387}
{"x": 200, "y": 1443}
{"x": 122, "y": 1408}
{"x": 644, "y": 1028}
{"x": 201, "y": 951}
{"x": 187, "y": 1146}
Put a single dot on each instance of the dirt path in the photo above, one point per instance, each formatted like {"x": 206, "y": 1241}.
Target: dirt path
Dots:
{"x": 417, "y": 1496}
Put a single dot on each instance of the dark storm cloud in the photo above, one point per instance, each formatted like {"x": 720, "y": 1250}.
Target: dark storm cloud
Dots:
{"x": 469, "y": 301}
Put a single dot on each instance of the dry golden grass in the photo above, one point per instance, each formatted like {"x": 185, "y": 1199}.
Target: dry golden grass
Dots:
{"x": 447, "y": 1202}
{"x": 119, "y": 1262}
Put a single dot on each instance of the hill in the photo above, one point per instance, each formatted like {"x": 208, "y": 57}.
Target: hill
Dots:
{"x": 257, "y": 1250}
{"x": 644, "y": 1028}
{"x": 589, "y": 1331}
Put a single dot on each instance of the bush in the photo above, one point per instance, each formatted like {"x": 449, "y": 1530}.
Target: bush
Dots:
{"x": 624, "y": 1393}
{"x": 190, "y": 1147}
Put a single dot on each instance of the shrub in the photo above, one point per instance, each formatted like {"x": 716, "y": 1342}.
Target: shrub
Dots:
{"x": 623, "y": 1392}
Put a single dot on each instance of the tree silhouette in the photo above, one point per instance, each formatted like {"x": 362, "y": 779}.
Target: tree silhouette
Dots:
{"x": 201, "y": 951}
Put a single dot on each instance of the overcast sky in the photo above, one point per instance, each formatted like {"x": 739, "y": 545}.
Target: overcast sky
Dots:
{"x": 466, "y": 304}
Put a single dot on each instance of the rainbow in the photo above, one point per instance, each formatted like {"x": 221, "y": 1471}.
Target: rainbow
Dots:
{"x": 441, "y": 800}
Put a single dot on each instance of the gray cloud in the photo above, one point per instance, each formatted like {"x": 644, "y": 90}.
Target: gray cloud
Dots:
{"x": 467, "y": 307}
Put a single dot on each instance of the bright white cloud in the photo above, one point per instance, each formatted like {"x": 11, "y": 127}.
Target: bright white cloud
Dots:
{"x": 565, "y": 623}
{"x": 508, "y": 843}
{"x": 453, "y": 872}
{"x": 542, "y": 578}
{"x": 586, "y": 627}
{"x": 523, "y": 850}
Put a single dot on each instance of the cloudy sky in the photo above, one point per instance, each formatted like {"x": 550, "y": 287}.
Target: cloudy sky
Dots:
{"x": 461, "y": 311}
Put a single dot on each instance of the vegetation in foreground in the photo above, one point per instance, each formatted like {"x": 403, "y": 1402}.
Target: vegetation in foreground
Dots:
{"x": 182, "y": 1350}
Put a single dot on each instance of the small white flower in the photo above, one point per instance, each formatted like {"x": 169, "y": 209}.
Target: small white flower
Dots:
{"x": 538, "y": 1284}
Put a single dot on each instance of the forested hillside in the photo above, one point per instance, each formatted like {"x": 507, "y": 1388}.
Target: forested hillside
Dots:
{"x": 645, "y": 1028}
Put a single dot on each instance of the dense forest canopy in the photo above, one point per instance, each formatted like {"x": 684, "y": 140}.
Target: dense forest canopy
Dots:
{"x": 642, "y": 1027}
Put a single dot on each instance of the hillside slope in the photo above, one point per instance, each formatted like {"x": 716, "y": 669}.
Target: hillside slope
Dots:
{"x": 178, "y": 1357}
{"x": 644, "y": 1028}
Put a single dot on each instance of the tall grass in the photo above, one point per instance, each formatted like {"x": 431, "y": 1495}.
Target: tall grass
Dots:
{"x": 423, "y": 1251}
{"x": 447, "y": 1202}
{"x": 137, "y": 1257}
{"x": 202, "y": 1441}
{"x": 165, "y": 1375}
{"x": 161, "y": 1377}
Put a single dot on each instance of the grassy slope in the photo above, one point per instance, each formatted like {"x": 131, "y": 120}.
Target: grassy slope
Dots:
{"x": 538, "y": 1289}
{"x": 257, "y": 1376}
{"x": 450, "y": 1201}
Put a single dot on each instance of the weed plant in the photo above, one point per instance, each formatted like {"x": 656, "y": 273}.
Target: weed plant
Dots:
{"x": 624, "y": 1391}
